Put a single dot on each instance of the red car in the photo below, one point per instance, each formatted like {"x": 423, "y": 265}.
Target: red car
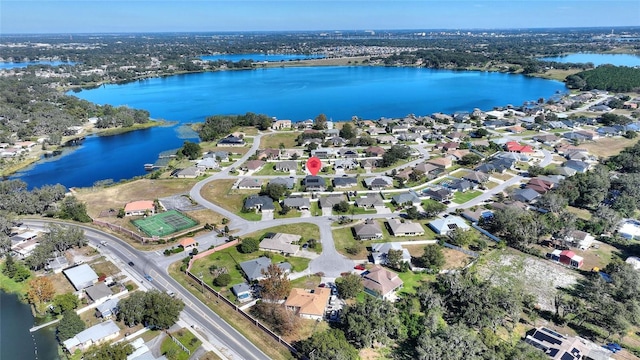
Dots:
{"x": 359, "y": 267}
{"x": 322, "y": 285}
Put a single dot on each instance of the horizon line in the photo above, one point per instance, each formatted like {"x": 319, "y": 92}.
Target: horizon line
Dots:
{"x": 320, "y": 31}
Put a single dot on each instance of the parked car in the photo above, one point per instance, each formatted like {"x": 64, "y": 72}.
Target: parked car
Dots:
{"x": 359, "y": 267}
{"x": 613, "y": 347}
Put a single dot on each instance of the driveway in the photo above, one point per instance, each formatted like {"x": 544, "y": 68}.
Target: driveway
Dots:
{"x": 267, "y": 215}
{"x": 326, "y": 211}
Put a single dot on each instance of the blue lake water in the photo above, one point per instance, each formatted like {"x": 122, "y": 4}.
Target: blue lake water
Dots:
{"x": 285, "y": 93}
{"x": 598, "y": 59}
{"x": 257, "y": 57}
{"x": 16, "y": 341}
{"x": 13, "y": 65}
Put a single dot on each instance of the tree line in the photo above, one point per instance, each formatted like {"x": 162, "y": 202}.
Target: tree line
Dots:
{"x": 218, "y": 126}
{"x": 606, "y": 77}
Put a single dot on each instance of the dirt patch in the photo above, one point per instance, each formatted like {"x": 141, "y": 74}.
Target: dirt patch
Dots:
{"x": 608, "y": 146}
{"x": 117, "y": 196}
{"x": 61, "y": 284}
{"x": 103, "y": 266}
{"x": 81, "y": 255}
{"x": 539, "y": 277}
{"x": 455, "y": 259}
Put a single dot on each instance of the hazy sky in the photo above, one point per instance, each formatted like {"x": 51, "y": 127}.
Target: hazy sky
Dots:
{"x": 88, "y": 16}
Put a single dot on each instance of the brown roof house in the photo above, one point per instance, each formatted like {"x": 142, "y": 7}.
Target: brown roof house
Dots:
{"x": 405, "y": 228}
{"x": 382, "y": 283}
{"x": 308, "y": 304}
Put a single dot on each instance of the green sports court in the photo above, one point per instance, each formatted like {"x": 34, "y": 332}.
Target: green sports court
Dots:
{"x": 165, "y": 223}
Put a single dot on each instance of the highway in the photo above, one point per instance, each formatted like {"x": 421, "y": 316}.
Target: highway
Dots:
{"x": 229, "y": 341}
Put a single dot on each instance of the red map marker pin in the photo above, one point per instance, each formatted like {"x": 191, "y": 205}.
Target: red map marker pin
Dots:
{"x": 314, "y": 165}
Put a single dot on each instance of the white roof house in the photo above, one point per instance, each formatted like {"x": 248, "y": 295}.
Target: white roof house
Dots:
{"x": 81, "y": 276}
{"x": 380, "y": 251}
{"x": 282, "y": 243}
{"x": 630, "y": 230}
{"x": 96, "y": 334}
{"x": 450, "y": 223}
{"x": 405, "y": 228}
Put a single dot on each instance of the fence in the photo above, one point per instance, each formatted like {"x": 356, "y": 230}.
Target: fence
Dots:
{"x": 243, "y": 313}
{"x": 175, "y": 340}
{"x": 144, "y": 239}
{"x": 458, "y": 248}
{"x": 486, "y": 233}
{"x": 211, "y": 251}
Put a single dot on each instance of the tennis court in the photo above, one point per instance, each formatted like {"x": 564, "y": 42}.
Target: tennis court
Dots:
{"x": 165, "y": 223}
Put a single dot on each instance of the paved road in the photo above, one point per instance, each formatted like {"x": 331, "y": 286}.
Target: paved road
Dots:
{"x": 218, "y": 332}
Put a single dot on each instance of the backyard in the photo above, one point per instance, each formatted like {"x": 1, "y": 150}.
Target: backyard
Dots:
{"x": 463, "y": 197}
{"x": 173, "y": 351}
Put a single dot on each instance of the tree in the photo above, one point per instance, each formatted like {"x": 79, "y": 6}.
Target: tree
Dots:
{"x": 453, "y": 343}
{"x": 70, "y": 325}
{"x": 349, "y": 285}
{"x": 432, "y": 258}
{"x": 371, "y": 321}
{"x": 482, "y": 132}
{"x": 341, "y": 207}
{"x": 117, "y": 351}
{"x": 154, "y": 309}
{"x": 330, "y": 345}
{"x": 320, "y": 122}
{"x": 394, "y": 259}
{"x": 249, "y": 245}
{"x": 65, "y": 302}
{"x": 276, "y": 284}
{"x": 222, "y": 280}
{"x": 274, "y": 191}
{"x": 460, "y": 237}
{"x": 432, "y": 208}
{"x": 413, "y": 213}
{"x": 40, "y": 290}
{"x": 73, "y": 209}
{"x": 347, "y": 131}
{"x": 395, "y": 153}
{"x": 10, "y": 267}
{"x": 469, "y": 159}
{"x": 190, "y": 150}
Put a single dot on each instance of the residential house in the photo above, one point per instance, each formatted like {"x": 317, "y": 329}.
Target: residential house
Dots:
{"x": 286, "y": 166}
{"x": 232, "y": 141}
{"x": 564, "y": 347}
{"x": 397, "y": 129}
{"x": 259, "y": 203}
{"x": 566, "y": 257}
{"x": 81, "y": 276}
{"x": 404, "y": 174}
{"x": 408, "y": 136}
{"x": 588, "y": 134}
{"x": 344, "y": 182}
{"x": 191, "y": 172}
{"x": 443, "y": 226}
{"x": 387, "y": 139}
{"x": 288, "y": 182}
{"x": 107, "y": 308}
{"x": 345, "y": 164}
{"x": 409, "y": 197}
{"x": 525, "y": 195}
{"x": 323, "y": 153}
{"x": 368, "y": 163}
{"x": 253, "y": 165}
{"x": 380, "y": 251}
{"x": 609, "y": 131}
{"x": 222, "y": 156}
{"x": 431, "y": 171}
{"x": 539, "y": 185}
{"x": 461, "y": 185}
{"x": 405, "y": 228}
{"x": 347, "y": 153}
{"x": 578, "y": 166}
{"x": 513, "y": 146}
{"x": 579, "y": 239}
{"x": 370, "y": 201}
{"x": 94, "y": 335}
{"x": 499, "y": 165}
{"x": 477, "y": 177}
{"x": 374, "y": 151}
{"x": 378, "y": 182}
{"x": 516, "y": 129}
{"x": 188, "y": 244}
{"x": 368, "y": 230}
{"x": 548, "y": 139}
{"x": 456, "y": 136}
{"x": 281, "y": 124}
{"x": 308, "y": 304}
{"x": 327, "y": 202}
{"x": 281, "y": 243}
{"x": 314, "y": 183}
{"x": 57, "y": 264}
{"x": 98, "y": 292}
{"x": 208, "y": 164}
{"x": 253, "y": 269}
{"x": 337, "y": 141}
{"x": 141, "y": 207}
{"x": 452, "y": 145}
{"x": 382, "y": 283}
{"x": 242, "y": 291}
{"x": 249, "y": 183}
{"x": 476, "y": 215}
{"x": 457, "y": 155}
{"x": 291, "y": 154}
{"x": 442, "y": 163}
{"x": 438, "y": 194}
{"x": 299, "y": 203}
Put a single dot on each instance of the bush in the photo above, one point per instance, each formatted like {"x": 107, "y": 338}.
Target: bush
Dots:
{"x": 249, "y": 245}
{"x": 222, "y": 280}
{"x": 129, "y": 287}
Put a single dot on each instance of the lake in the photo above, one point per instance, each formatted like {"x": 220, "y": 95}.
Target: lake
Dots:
{"x": 13, "y": 65}
{"x": 16, "y": 341}
{"x": 598, "y": 59}
{"x": 257, "y": 57}
{"x": 286, "y": 93}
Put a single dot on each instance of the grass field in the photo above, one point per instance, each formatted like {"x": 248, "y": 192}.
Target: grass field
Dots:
{"x": 580, "y": 213}
{"x": 174, "y": 351}
{"x": 220, "y": 192}
{"x": 463, "y": 197}
{"x": 307, "y": 231}
{"x": 273, "y": 141}
{"x": 608, "y": 146}
{"x": 165, "y": 223}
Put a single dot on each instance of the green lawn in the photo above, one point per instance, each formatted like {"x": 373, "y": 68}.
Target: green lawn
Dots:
{"x": 315, "y": 209}
{"x": 307, "y": 231}
{"x": 10, "y": 286}
{"x": 231, "y": 258}
{"x": 251, "y": 215}
{"x": 463, "y": 197}
{"x": 273, "y": 141}
{"x": 412, "y": 281}
{"x": 174, "y": 351}
{"x": 291, "y": 214}
{"x": 359, "y": 210}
